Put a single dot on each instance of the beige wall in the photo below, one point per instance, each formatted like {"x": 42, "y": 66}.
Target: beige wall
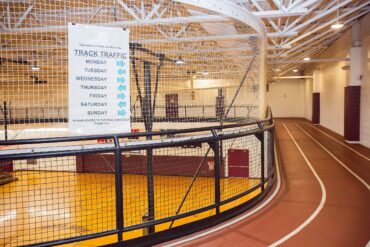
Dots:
{"x": 365, "y": 84}
{"x": 287, "y": 98}
{"x": 308, "y": 99}
{"x": 334, "y": 79}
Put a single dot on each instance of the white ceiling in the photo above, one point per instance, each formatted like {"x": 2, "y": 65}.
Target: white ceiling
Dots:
{"x": 304, "y": 26}
{"x": 296, "y": 28}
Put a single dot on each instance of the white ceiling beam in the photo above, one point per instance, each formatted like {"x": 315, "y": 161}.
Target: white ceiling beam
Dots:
{"x": 157, "y": 21}
{"x": 259, "y": 8}
{"x": 128, "y": 10}
{"x": 312, "y": 41}
{"x": 281, "y": 35}
{"x": 297, "y": 20}
{"x": 279, "y": 4}
{"x": 279, "y": 13}
{"x": 210, "y": 37}
{"x": 303, "y": 4}
{"x": 153, "y": 11}
{"x": 95, "y": 13}
{"x": 19, "y": 22}
{"x": 315, "y": 44}
{"x": 321, "y": 15}
{"x": 292, "y": 77}
{"x": 304, "y": 35}
{"x": 16, "y": 1}
{"x": 319, "y": 60}
{"x": 8, "y": 16}
{"x": 4, "y": 50}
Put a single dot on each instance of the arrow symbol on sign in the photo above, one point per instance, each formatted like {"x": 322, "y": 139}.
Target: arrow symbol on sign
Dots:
{"x": 121, "y": 113}
{"x": 120, "y": 63}
{"x": 121, "y": 79}
{"x": 121, "y": 96}
{"x": 121, "y": 71}
{"x": 122, "y": 104}
{"x": 121, "y": 88}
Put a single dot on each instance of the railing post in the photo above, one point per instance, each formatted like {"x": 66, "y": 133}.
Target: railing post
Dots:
{"x": 262, "y": 139}
{"x": 149, "y": 151}
{"x": 216, "y": 149}
{"x": 273, "y": 147}
{"x": 119, "y": 192}
{"x": 5, "y": 113}
{"x": 150, "y": 187}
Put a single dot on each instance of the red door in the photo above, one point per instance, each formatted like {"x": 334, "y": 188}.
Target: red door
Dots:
{"x": 6, "y": 166}
{"x": 172, "y": 105}
{"x": 238, "y": 162}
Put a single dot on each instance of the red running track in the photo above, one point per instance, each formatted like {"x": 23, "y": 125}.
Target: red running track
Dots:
{"x": 323, "y": 200}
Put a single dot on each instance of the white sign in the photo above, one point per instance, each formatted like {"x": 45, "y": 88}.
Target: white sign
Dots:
{"x": 98, "y": 80}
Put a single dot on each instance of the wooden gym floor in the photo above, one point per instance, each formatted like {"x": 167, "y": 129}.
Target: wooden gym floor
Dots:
{"x": 43, "y": 206}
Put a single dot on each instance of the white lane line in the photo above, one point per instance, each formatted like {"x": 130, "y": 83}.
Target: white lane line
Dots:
{"x": 242, "y": 217}
{"x": 321, "y": 204}
{"x": 341, "y": 143}
{"x": 334, "y": 157}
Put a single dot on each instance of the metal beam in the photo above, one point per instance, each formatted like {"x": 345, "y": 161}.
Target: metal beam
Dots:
{"x": 319, "y": 60}
{"x": 292, "y": 77}
{"x": 326, "y": 24}
{"x": 157, "y": 21}
{"x": 23, "y": 16}
{"x": 4, "y": 50}
{"x": 321, "y": 15}
{"x": 279, "y": 13}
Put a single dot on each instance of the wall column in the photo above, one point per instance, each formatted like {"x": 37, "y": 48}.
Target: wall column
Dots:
{"x": 316, "y": 97}
{"x": 352, "y": 96}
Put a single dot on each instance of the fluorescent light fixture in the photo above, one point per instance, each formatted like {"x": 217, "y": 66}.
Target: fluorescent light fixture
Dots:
{"x": 277, "y": 70}
{"x": 35, "y": 68}
{"x": 295, "y": 70}
{"x": 180, "y": 61}
{"x": 307, "y": 59}
{"x": 337, "y": 25}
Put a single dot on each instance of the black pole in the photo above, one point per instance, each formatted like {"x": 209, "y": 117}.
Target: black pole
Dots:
{"x": 137, "y": 82}
{"x": 119, "y": 192}
{"x": 216, "y": 150}
{"x": 148, "y": 117}
{"x": 191, "y": 184}
{"x": 156, "y": 85}
{"x": 249, "y": 68}
{"x": 273, "y": 148}
{"x": 5, "y": 112}
{"x": 263, "y": 160}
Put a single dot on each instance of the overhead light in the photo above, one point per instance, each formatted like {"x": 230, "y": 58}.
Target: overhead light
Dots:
{"x": 180, "y": 61}
{"x": 295, "y": 70}
{"x": 205, "y": 72}
{"x": 307, "y": 59}
{"x": 277, "y": 70}
{"x": 35, "y": 67}
{"x": 337, "y": 25}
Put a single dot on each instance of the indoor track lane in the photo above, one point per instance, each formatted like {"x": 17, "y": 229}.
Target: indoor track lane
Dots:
{"x": 305, "y": 213}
